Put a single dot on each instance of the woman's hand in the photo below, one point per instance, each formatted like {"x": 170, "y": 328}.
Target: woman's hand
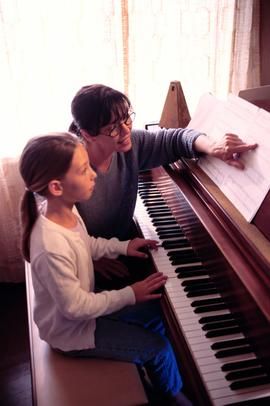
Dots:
{"x": 138, "y": 243}
{"x": 144, "y": 290}
{"x": 228, "y": 149}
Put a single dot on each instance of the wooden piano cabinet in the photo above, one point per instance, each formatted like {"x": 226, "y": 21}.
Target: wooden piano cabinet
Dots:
{"x": 230, "y": 265}
{"x": 235, "y": 253}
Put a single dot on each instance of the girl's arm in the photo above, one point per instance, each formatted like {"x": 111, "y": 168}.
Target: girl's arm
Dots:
{"x": 112, "y": 248}
{"x": 58, "y": 274}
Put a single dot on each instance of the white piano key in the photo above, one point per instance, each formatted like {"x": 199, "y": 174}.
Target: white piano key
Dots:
{"x": 216, "y": 375}
{"x": 186, "y": 316}
{"x": 221, "y": 361}
{"x": 241, "y": 397}
{"x": 212, "y": 340}
{"x": 197, "y": 263}
{"x": 203, "y": 353}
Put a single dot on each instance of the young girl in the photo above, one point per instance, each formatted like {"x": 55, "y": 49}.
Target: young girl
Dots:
{"x": 70, "y": 315}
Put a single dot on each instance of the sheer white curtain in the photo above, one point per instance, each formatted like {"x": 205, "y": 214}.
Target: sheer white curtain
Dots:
{"x": 49, "y": 49}
{"x": 209, "y": 45}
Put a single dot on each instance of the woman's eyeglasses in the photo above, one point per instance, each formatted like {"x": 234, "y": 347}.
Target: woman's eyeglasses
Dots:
{"x": 115, "y": 131}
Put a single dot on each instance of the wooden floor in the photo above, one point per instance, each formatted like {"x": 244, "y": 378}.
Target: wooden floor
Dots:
{"x": 15, "y": 378}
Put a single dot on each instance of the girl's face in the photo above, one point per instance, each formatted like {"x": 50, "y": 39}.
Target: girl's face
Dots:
{"x": 78, "y": 183}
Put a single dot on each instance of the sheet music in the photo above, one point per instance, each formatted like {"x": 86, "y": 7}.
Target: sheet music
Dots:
{"x": 246, "y": 188}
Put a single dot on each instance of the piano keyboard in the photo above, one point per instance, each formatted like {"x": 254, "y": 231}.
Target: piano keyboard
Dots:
{"x": 230, "y": 371}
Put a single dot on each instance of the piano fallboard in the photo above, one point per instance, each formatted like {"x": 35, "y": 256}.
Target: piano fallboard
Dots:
{"x": 216, "y": 304}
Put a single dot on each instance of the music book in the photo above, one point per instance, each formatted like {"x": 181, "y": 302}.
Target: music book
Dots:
{"x": 247, "y": 188}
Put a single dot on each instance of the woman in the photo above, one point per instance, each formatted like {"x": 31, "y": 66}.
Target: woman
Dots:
{"x": 103, "y": 117}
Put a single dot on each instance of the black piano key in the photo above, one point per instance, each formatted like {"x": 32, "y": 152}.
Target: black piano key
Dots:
{"x": 220, "y": 324}
{"x": 159, "y": 215}
{"x": 157, "y": 208}
{"x": 249, "y": 363}
{"x": 169, "y": 229}
{"x": 182, "y": 252}
{"x": 199, "y": 286}
{"x": 202, "y": 292}
{"x": 184, "y": 261}
{"x": 229, "y": 343}
{"x": 210, "y": 319}
{"x": 231, "y": 352}
{"x": 249, "y": 383}
{"x": 162, "y": 207}
{"x": 186, "y": 253}
{"x": 212, "y": 308}
{"x": 155, "y": 204}
{"x": 195, "y": 267}
{"x": 144, "y": 188}
{"x": 156, "y": 214}
{"x": 223, "y": 332}
{"x": 174, "y": 237}
{"x": 186, "y": 258}
{"x": 166, "y": 235}
{"x": 246, "y": 373}
{"x": 196, "y": 282}
{"x": 190, "y": 274}
{"x": 206, "y": 302}
{"x": 175, "y": 244}
{"x": 164, "y": 222}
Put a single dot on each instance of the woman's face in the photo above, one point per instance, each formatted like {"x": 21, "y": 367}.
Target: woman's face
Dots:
{"x": 118, "y": 133}
{"x": 114, "y": 136}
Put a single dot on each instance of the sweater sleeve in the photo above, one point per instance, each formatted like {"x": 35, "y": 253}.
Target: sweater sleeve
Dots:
{"x": 164, "y": 146}
{"x": 58, "y": 274}
{"x": 112, "y": 248}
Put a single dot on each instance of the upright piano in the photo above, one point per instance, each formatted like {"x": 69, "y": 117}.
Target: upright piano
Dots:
{"x": 217, "y": 298}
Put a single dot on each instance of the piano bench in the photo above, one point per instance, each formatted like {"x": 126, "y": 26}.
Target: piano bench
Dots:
{"x": 59, "y": 380}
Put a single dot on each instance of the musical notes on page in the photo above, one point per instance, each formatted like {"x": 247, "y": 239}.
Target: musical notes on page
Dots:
{"x": 246, "y": 188}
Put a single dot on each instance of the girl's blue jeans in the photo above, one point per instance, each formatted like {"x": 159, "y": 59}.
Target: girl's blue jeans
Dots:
{"x": 136, "y": 334}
